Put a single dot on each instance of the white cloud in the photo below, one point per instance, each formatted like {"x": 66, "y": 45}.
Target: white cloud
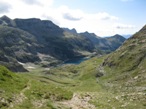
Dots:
{"x": 70, "y": 14}
{"x": 106, "y": 16}
{"x": 4, "y": 7}
{"x": 123, "y": 29}
{"x": 92, "y": 22}
{"x": 71, "y": 17}
{"x": 38, "y": 2}
{"x": 124, "y": 26}
{"x": 34, "y": 8}
{"x": 32, "y": 2}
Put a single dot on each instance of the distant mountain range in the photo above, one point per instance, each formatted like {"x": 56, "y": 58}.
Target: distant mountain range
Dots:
{"x": 43, "y": 42}
{"x": 105, "y": 44}
{"x": 127, "y": 36}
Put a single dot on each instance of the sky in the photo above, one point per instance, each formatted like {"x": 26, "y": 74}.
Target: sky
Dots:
{"x": 102, "y": 17}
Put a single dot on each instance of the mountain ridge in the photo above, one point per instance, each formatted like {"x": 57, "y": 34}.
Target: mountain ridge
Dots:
{"x": 47, "y": 40}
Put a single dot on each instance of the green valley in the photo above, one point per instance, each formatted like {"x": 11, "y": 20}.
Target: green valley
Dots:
{"x": 85, "y": 86}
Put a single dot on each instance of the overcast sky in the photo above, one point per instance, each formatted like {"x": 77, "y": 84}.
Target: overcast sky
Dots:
{"x": 103, "y": 17}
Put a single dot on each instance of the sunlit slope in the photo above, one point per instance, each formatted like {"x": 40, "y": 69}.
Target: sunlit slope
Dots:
{"x": 129, "y": 61}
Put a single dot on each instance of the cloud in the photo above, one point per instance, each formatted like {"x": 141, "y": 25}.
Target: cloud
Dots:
{"x": 99, "y": 23}
{"x": 39, "y": 2}
{"x": 4, "y": 7}
{"x": 106, "y": 16}
{"x": 32, "y": 2}
{"x": 68, "y": 16}
{"x": 124, "y": 26}
{"x": 78, "y": 15}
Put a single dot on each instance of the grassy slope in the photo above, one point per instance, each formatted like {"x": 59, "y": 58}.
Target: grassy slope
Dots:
{"x": 10, "y": 85}
{"x": 49, "y": 89}
{"x": 108, "y": 91}
{"x": 26, "y": 91}
{"x": 126, "y": 74}
{"x": 126, "y": 66}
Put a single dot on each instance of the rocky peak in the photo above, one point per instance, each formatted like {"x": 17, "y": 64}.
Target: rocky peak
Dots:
{"x": 87, "y": 34}
{"x": 35, "y": 21}
{"x": 4, "y": 20}
{"x": 48, "y": 23}
{"x": 73, "y": 31}
{"x": 4, "y": 17}
{"x": 118, "y": 37}
{"x": 32, "y": 20}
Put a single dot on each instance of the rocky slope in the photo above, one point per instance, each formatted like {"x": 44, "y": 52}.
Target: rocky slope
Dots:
{"x": 16, "y": 45}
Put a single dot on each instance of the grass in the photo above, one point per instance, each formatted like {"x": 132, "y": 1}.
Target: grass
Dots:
{"x": 46, "y": 89}
{"x": 10, "y": 82}
{"x": 79, "y": 77}
{"x": 23, "y": 89}
{"x": 10, "y": 85}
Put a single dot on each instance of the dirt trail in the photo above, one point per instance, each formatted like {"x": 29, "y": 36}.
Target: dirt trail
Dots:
{"x": 26, "y": 88}
{"x": 79, "y": 101}
{"x": 18, "y": 99}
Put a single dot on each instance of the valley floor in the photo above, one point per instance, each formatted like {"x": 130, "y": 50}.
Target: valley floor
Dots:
{"x": 83, "y": 86}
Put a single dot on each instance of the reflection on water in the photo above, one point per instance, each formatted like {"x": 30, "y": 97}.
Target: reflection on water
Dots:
{"x": 76, "y": 61}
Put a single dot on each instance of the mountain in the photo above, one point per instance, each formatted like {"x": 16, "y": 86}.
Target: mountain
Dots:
{"x": 115, "y": 41}
{"x": 73, "y": 31}
{"x": 33, "y": 40}
{"x": 16, "y": 45}
{"x": 6, "y": 21}
{"x": 106, "y": 44}
{"x": 91, "y": 36}
{"x": 49, "y": 36}
{"x": 127, "y": 36}
{"x": 42, "y": 42}
{"x": 132, "y": 51}
{"x": 127, "y": 64}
